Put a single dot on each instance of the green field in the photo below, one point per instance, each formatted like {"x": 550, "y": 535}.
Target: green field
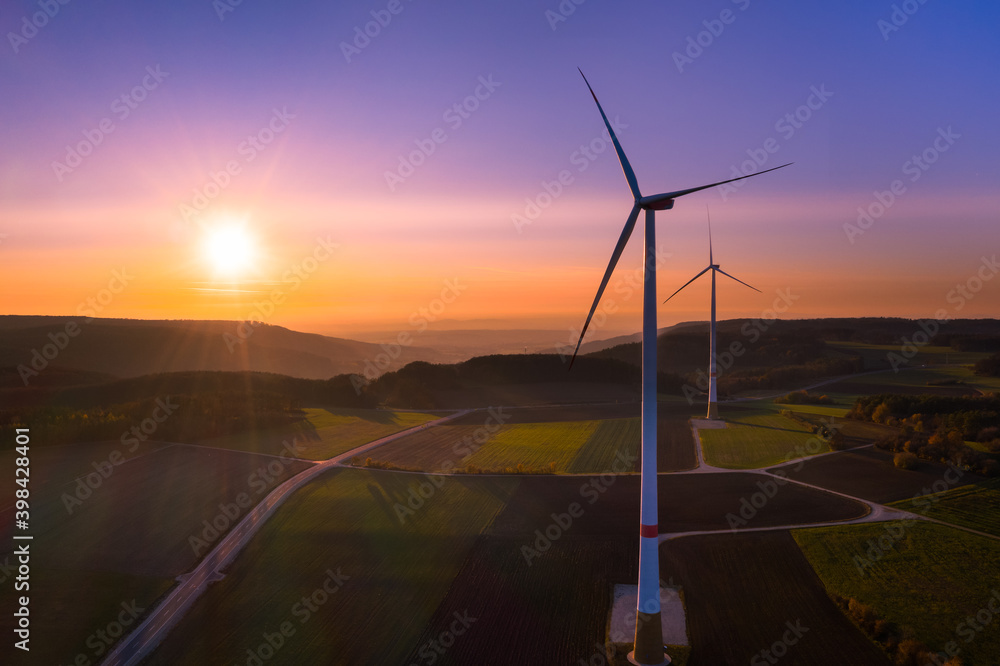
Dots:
{"x": 756, "y": 438}
{"x": 925, "y": 377}
{"x": 324, "y": 432}
{"x": 876, "y": 356}
{"x": 614, "y": 437}
{"x": 974, "y": 506}
{"x": 535, "y": 445}
{"x": 838, "y": 409}
{"x": 400, "y": 566}
{"x": 929, "y": 580}
{"x": 566, "y": 446}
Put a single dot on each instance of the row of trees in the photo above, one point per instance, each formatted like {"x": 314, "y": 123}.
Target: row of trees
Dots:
{"x": 936, "y": 428}
{"x": 970, "y": 415}
{"x": 898, "y": 642}
{"x": 945, "y": 446}
{"x": 177, "y": 417}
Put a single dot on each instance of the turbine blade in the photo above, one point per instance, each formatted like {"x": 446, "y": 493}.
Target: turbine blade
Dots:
{"x": 633, "y": 184}
{"x": 680, "y": 193}
{"x": 709, "y": 213}
{"x": 688, "y": 282}
{"x": 738, "y": 280}
{"x": 622, "y": 242}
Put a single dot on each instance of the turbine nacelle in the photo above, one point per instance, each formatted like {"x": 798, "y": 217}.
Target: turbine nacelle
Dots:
{"x": 656, "y": 202}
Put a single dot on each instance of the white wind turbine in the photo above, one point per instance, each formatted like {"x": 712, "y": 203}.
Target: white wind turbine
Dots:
{"x": 648, "y": 649}
{"x": 713, "y": 399}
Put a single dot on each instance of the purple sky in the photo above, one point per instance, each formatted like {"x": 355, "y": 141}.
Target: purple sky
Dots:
{"x": 892, "y": 92}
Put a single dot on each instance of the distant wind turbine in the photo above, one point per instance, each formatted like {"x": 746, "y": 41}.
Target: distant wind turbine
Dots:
{"x": 648, "y": 649}
{"x": 713, "y": 409}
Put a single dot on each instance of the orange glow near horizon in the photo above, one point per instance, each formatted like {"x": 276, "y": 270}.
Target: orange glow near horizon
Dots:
{"x": 331, "y": 268}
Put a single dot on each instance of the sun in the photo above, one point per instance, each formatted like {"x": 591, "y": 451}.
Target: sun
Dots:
{"x": 229, "y": 249}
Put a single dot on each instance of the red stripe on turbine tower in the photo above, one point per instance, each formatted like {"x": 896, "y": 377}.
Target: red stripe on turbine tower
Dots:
{"x": 649, "y": 531}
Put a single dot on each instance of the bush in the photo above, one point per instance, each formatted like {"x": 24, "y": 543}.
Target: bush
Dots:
{"x": 905, "y": 460}
{"x": 989, "y": 366}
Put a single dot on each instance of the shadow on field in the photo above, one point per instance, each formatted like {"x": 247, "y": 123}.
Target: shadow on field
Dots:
{"x": 745, "y": 593}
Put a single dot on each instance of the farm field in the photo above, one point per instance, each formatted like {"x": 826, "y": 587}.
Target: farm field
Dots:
{"x": 766, "y": 582}
{"x": 976, "y": 506}
{"x": 755, "y": 438}
{"x": 550, "y": 413}
{"x": 866, "y": 473}
{"x": 877, "y": 356}
{"x": 462, "y": 552}
{"x": 675, "y": 450}
{"x": 538, "y": 445}
{"x": 393, "y": 571}
{"x": 610, "y": 504}
{"x": 840, "y": 407}
{"x": 931, "y": 579}
{"x": 940, "y": 380}
{"x": 553, "y": 608}
{"x": 324, "y": 432}
{"x": 549, "y": 393}
{"x": 127, "y": 540}
{"x": 536, "y": 438}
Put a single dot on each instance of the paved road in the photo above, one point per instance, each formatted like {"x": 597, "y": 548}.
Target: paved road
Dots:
{"x": 140, "y": 643}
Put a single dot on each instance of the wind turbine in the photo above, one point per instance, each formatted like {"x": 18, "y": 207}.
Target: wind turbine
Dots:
{"x": 713, "y": 409}
{"x": 648, "y": 650}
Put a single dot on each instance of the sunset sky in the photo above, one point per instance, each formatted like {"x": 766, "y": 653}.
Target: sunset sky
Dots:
{"x": 275, "y": 125}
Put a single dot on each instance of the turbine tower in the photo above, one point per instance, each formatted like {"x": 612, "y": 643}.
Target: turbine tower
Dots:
{"x": 713, "y": 398}
{"x": 648, "y": 650}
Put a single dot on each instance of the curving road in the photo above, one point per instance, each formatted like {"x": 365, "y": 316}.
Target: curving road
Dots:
{"x": 131, "y": 649}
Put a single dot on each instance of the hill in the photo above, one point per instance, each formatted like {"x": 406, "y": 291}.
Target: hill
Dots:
{"x": 757, "y": 354}
{"x": 131, "y": 348}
